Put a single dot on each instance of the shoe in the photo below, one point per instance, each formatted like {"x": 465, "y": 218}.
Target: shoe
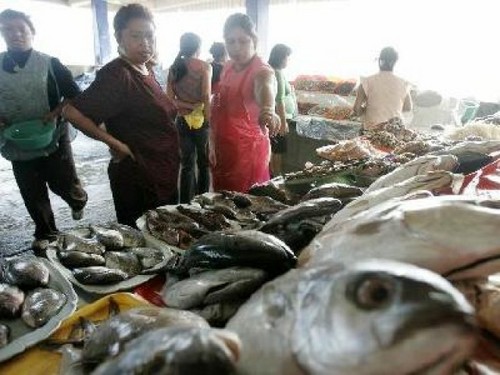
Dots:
{"x": 77, "y": 214}
{"x": 40, "y": 247}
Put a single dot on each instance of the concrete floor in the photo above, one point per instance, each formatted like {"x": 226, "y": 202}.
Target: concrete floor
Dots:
{"x": 16, "y": 226}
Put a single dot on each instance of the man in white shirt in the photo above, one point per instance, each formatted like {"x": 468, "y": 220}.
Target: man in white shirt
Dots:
{"x": 382, "y": 96}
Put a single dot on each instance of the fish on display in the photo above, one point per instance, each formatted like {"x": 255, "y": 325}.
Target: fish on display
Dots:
{"x": 26, "y": 272}
{"x": 161, "y": 229}
{"x": 333, "y": 190}
{"x": 374, "y": 318}
{"x": 108, "y": 338}
{"x": 70, "y": 242}
{"x": 40, "y": 305}
{"x": 217, "y": 314}
{"x": 4, "y": 335}
{"x": 127, "y": 262}
{"x": 211, "y": 287}
{"x": 304, "y": 210}
{"x": 210, "y": 220}
{"x": 11, "y": 301}
{"x": 432, "y": 181}
{"x": 455, "y": 236}
{"x": 177, "y": 350}
{"x": 75, "y": 259}
{"x": 246, "y": 248}
{"x": 111, "y": 238}
{"x": 99, "y": 275}
{"x": 152, "y": 260}
{"x": 131, "y": 236}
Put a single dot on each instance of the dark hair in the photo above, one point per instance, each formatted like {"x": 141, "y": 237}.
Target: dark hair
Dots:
{"x": 10, "y": 14}
{"x": 218, "y": 50}
{"x": 129, "y": 12}
{"x": 242, "y": 21}
{"x": 387, "y": 59}
{"x": 278, "y": 55}
{"x": 189, "y": 44}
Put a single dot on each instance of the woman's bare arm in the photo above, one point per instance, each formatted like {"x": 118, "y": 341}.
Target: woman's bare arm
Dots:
{"x": 265, "y": 94}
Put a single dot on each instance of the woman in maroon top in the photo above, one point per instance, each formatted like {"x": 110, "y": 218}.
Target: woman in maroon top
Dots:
{"x": 139, "y": 120}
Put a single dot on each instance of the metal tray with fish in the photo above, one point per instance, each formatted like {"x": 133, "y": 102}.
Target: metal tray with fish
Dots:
{"x": 22, "y": 335}
{"x": 102, "y": 289}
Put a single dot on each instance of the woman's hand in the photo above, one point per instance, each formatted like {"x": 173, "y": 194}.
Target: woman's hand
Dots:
{"x": 271, "y": 121}
{"x": 120, "y": 151}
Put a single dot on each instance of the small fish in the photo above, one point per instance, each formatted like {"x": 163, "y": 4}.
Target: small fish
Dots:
{"x": 334, "y": 190}
{"x": 69, "y": 242}
{"x": 26, "y": 272}
{"x": 131, "y": 236}
{"x": 177, "y": 350}
{"x": 152, "y": 260}
{"x": 4, "y": 335}
{"x": 109, "y": 338}
{"x": 210, "y": 220}
{"x": 99, "y": 275}
{"x": 127, "y": 262}
{"x": 112, "y": 239}
{"x": 74, "y": 259}
{"x": 213, "y": 286}
{"x": 374, "y": 318}
{"x": 11, "y": 301}
{"x": 40, "y": 305}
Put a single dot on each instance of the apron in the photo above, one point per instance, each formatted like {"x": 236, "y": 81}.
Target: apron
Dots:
{"x": 241, "y": 149}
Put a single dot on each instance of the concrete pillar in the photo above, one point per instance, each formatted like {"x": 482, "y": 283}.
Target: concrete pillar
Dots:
{"x": 102, "y": 42}
{"x": 258, "y": 10}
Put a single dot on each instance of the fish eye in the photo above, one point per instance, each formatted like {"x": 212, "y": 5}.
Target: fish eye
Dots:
{"x": 373, "y": 292}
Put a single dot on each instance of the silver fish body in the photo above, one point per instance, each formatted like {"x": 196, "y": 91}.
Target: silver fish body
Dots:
{"x": 99, "y": 275}
{"x": 112, "y": 239}
{"x": 11, "y": 301}
{"x": 127, "y": 262}
{"x": 75, "y": 259}
{"x": 131, "y": 236}
{"x": 40, "y": 305}
{"x": 26, "y": 272}
{"x": 374, "y": 318}
{"x": 4, "y": 335}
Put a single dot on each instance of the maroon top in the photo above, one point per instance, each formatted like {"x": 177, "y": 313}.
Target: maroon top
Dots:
{"x": 137, "y": 112}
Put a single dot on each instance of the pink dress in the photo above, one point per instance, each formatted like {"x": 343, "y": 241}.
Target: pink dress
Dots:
{"x": 241, "y": 147}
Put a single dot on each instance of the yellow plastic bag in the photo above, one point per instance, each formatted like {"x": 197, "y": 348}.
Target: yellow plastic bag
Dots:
{"x": 195, "y": 119}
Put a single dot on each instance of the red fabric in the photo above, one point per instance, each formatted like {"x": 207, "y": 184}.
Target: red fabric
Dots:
{"x": 241, "y": 148}
{"x": 483, "y": 180}
{"x": 150, "y": 290}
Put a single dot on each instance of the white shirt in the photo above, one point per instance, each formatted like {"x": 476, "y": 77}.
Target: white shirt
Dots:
{"x": 385, "y": 93}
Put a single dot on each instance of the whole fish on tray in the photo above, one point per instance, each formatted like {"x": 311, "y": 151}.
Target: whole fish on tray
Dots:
{"x": 40, "y": 305}
{"x": 99, "y": 275}
{"x": 11, "y": 301}
{"x": 374, "y": 318}
{"x": 176, "y": 351}
{"x": 25, "y": 272}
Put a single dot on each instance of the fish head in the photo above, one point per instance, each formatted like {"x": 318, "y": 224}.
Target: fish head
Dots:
{"x": 380, "y": 317}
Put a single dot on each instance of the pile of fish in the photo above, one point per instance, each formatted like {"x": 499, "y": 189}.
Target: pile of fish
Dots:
{"x": 25, "y": 295}
{"x": 222, "y": 269}
{"x": 152, "y": 340}
{"x": 101, "y": 255}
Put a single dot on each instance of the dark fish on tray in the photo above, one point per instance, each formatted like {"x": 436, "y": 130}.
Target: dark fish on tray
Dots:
{"x": 152, "y": 260}
{"x": 334, "y": 190}
{"x": 127, "y": 262}
{"x": 131, "y": 236}
{"x": 111, "y": 238}
{"x": 109, "y": 338}
{"x": 177, "y": 350}
{"x": 161, "y": 229}
{"x": 11, "y": 301}
{"x": 376, "y": 317}
{"x": 213, "y": 286}
{"x": 4, "y": 335}
{"x": 262, "y": 206}
{"x": 69, "y": 242}
{"x": 178, "y": 220}
{"x": 208, "y": 219}
{"x": 26, "y": 272}
{"x": 75, "y": 259}
{"x": 247, "y": 248}
{"x": 303, "y": 210}
{"x": 217, "y": 314}
{"x": 40, "y": 305}
{"x": 99, "y": 275}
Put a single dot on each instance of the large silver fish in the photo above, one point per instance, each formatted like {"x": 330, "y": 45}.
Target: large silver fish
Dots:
{"x": 421, "y": 165}
{"x": 11, "y": 301}
{"x": 373, "y": 318}
{"x": 40, "y": 305}
{"x": 455, "y": 236}
{"x": 432, "y": 181}
{"x": 177, "y": 351}
{"x": 26, "y": 272}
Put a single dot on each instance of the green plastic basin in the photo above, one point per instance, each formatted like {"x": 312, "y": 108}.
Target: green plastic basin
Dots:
{"x": 30, "y": 135}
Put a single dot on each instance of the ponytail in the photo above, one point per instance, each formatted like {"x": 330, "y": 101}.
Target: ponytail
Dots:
{"x": 178, "y": 68}
{"x": 189, "y": 45}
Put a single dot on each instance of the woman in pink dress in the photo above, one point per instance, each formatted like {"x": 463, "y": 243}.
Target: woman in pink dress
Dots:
{"x": 242, "y": 112}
